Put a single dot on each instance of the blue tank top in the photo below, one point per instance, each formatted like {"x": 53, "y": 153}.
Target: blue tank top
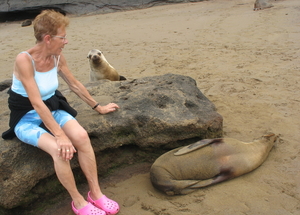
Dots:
{"x": 47, "y": 82}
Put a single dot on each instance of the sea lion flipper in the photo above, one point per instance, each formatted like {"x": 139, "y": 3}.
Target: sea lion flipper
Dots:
{"x": 184, "y": 187}
{"x": 194, "y": 146}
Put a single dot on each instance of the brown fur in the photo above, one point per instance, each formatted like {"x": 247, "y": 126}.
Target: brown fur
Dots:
{"x": 208, "y": 162}
{"x": 100, "y": 68}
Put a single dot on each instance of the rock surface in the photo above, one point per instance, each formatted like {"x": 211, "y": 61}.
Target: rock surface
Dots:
{"x": 5, "y": 84}
{"x": 82, "y": 6}
{"x": 155, "y": 112}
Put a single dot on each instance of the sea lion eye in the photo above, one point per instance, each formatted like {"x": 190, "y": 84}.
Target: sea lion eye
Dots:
{"x": 89, "y": 56}
{"x": 99, "y": 53}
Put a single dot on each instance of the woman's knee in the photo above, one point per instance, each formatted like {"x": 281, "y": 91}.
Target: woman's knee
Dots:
{"x": 82, "y": 136}
{"x": 78, "y": 135}
{"x": 75, "y": 131}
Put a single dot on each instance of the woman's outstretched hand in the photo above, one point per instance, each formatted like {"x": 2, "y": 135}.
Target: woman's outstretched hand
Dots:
{"x": 111, "y": 107}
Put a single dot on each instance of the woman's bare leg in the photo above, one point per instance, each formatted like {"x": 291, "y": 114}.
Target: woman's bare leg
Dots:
{"x": 86, "y": 156}
{"x": 62, "y": 168}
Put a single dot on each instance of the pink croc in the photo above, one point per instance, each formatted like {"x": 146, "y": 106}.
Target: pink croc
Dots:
{"x": 106, "y": 204}
{"x": 89, "y": 209}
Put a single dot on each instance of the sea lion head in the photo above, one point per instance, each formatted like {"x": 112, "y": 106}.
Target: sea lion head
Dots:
{"x": 269, "y": 139}
{"x": 95, "y": 56}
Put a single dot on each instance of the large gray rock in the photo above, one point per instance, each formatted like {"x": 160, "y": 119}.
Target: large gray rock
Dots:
{"x": 155, "y": 112}
{"x": 5, "y": 84}
{"x": 82, "y": 6}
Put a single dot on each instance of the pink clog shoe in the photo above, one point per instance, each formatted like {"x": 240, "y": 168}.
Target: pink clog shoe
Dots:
{"x": 89, "y": 209}
{"x": 109, "y": 206}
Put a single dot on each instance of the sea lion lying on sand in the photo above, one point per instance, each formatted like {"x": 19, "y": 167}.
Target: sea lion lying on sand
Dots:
{"x": 100, "y": 68}
{"x": 207, "y": 162}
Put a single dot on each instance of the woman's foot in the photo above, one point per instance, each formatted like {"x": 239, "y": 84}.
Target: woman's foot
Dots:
{"x": 106, "y": 204}
{"x": 88, "y": 209}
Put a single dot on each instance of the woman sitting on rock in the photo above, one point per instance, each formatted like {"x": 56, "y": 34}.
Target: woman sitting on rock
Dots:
{"x": 40, "y": 115}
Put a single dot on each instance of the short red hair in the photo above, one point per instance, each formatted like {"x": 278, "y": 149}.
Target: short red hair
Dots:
{"x": 47, "y": 23}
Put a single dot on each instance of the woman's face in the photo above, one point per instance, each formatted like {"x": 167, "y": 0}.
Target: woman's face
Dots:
{"x": 58, "y": 41}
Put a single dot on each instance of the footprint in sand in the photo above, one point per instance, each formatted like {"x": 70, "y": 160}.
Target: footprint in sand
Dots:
{"x": 131, "y": 200}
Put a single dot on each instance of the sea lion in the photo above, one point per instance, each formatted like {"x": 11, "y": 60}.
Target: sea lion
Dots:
{"x": 262, "y": 4}
{"x": 100, "y": 68}
{"x": 207, "y": 162}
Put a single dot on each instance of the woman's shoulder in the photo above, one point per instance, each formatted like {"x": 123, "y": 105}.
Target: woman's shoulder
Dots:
{"x": 23, "y": 63}
{"x": 62, "y": 63}
{"x": 23, "y": 56}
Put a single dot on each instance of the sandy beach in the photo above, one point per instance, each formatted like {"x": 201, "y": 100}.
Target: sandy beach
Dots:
{"x": 246, "y": 62}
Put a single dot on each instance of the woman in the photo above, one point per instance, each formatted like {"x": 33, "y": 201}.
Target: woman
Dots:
{"x": 40, "y": 115}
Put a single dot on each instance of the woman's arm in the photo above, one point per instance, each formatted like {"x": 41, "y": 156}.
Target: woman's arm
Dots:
{"x": 79, "y": 89}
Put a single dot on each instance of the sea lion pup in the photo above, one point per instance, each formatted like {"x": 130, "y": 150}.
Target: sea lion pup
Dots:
{"x": 262, "y": 4}
{"x": 208, "y": 162}
{"x": 100, "y": 68}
